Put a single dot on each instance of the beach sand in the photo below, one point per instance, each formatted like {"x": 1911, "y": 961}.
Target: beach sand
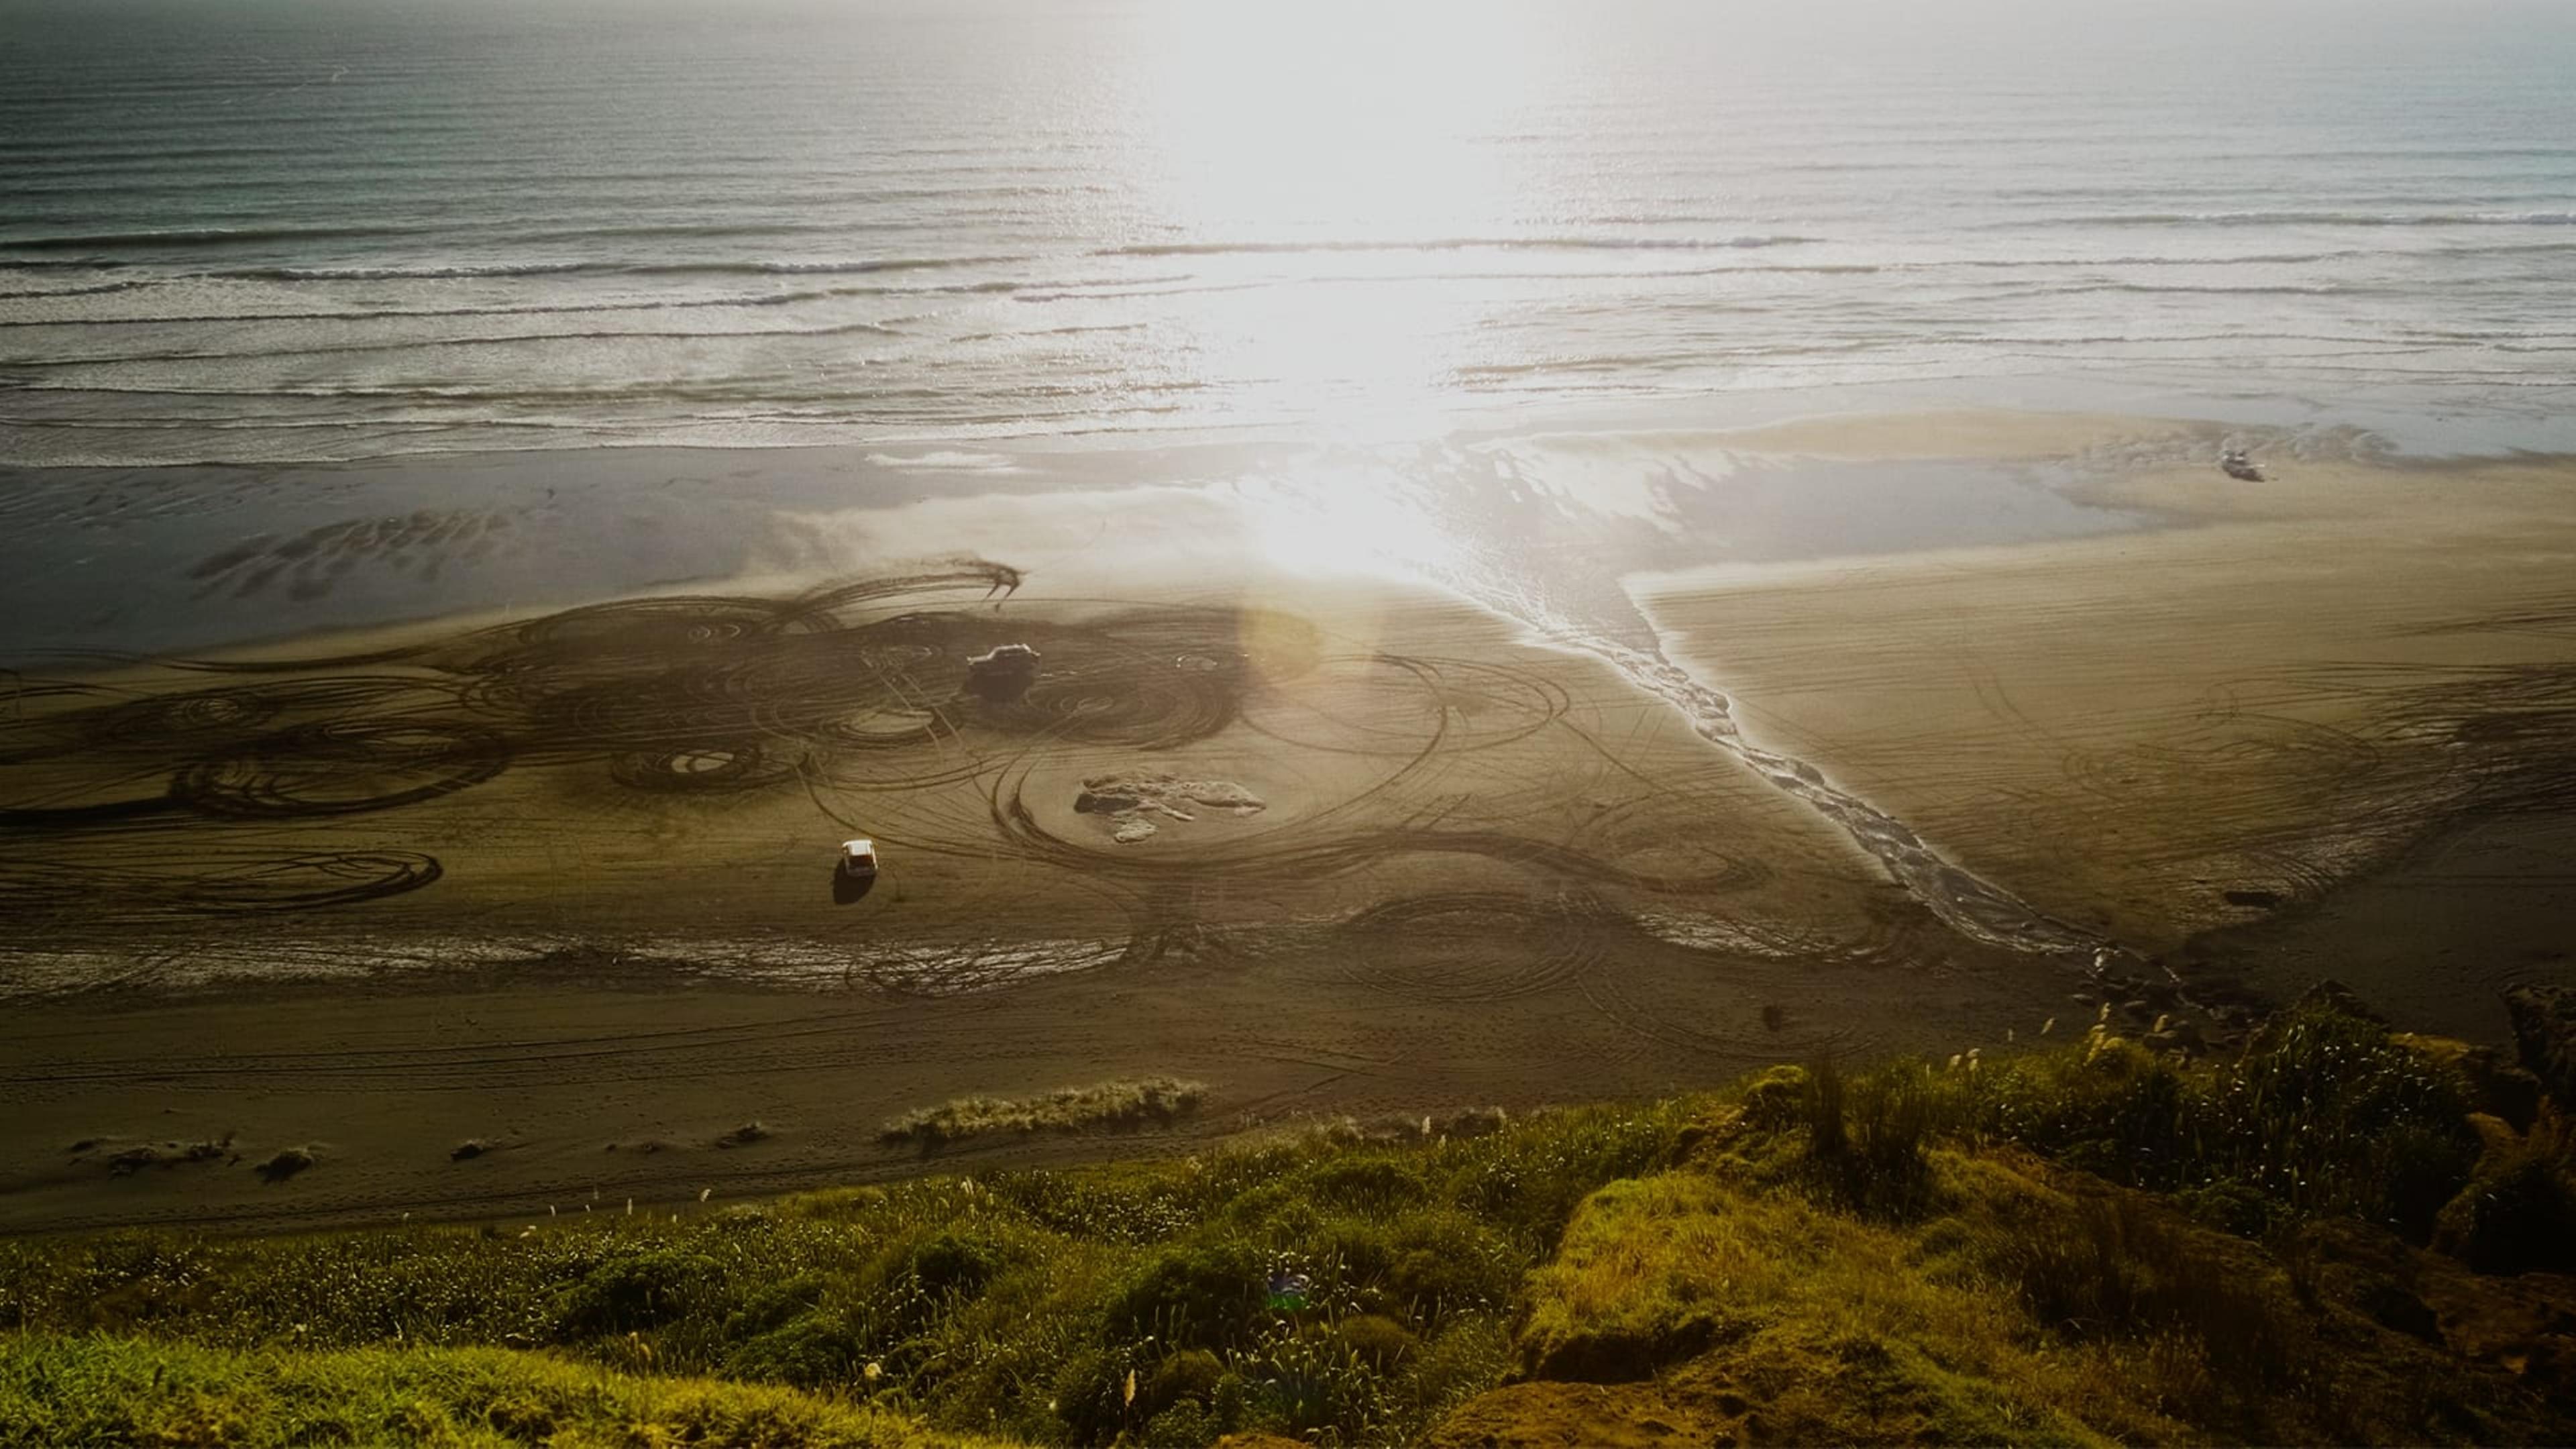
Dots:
{"x": 561, "y": 883}
{"x": 2190, "y": 739}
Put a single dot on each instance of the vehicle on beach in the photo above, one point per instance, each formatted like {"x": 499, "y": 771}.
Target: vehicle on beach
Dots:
{"x": 859, "y": 859}
{"x": 1001, "y": 674}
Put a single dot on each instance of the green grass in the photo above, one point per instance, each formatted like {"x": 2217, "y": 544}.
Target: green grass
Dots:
{"x": 2080, "y": 1245}
{"x": 2327, "y": 1114}
{"x": 1016, "y": 1304}
{"x": 104, "y": 1391}
{"x": 1103, "y": 1106}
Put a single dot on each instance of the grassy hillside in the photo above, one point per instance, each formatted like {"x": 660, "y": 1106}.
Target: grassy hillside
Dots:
{"x": 2085, "y": 1243}
{"x": 119, "y": 1391}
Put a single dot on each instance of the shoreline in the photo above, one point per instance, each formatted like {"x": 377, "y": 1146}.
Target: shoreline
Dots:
{"x": 264, "y": 553}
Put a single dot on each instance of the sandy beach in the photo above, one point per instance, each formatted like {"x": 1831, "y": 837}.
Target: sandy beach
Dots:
{"x": 1330, "y": 818}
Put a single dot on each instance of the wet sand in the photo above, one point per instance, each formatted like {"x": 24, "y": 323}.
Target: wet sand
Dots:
{"x": 561, "y": 881}
{"x": 2165, "y": 733}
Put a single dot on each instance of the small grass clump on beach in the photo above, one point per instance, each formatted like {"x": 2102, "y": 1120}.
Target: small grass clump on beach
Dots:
{"x": 1103, "y": 1106}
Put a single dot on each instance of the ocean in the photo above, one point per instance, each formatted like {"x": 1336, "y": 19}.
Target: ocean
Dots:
{"x": 267, "y": 232}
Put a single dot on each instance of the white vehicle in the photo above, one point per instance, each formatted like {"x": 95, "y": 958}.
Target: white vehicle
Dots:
{"x": 858, "y": 859}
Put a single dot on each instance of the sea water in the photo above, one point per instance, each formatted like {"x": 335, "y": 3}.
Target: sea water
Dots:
{"x": 336, "y": 229}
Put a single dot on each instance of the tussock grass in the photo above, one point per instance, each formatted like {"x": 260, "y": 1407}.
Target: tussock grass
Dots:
{"x": 1866, "y": 1139}
{"x": 2326, "y": 1114}
{"x": 1123, "y": 1106}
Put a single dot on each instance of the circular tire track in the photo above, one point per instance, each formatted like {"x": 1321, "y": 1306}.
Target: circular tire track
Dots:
{"x": 341, "y": 767}
{"x": 198, "y": 719}
{"x": 1463, "y": 705}
{"x": 1469, "y": 947}
{"x": 216, "y": 883}
{"x": 714, "y": 768}
{"x": 858, "y": 685}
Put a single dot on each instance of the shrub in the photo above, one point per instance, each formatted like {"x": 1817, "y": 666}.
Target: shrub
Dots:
{"x": 949, "y": 1263}
{"x": 1776, "y": 1099}
{"x": 630, "y": 1289}
{"x": 818, "y": 1350}
{"x": 1445, "y": 1263}
{"x": 1192, "y": 1373}
{"x": 2325, "y": 1113}
{"x": 1188, "y": 1424}
{"x": 1377, "y": 1341}
{"x": 1314, "y": 1381}
{"x": 1196, "y": 1294}
{"x": 1865, "y": 1144}
{"x": 1090, "y": 1394}
{"x": 1376, "y": 1184}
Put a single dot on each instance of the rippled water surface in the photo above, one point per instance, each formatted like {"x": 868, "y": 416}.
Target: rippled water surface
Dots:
{"x": 266, "y": 231}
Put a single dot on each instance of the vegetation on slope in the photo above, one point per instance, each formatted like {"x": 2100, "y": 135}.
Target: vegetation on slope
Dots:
{"x": 1318, "y": 1282}
{"x": 2085, "y": 1243}
{"x": 110, "y": 1391}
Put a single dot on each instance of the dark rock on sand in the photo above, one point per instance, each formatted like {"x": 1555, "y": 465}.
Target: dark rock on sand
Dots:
{"x": 287, "y": 1162}
{"x": 744, "y": 1135}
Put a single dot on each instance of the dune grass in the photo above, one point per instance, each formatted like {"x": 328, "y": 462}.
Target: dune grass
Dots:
{"x": 2086, "y": 1244}
{"x": 1122, "y": 1106}
{"x": 89, "y": 1389}
{"x": 1308, "y": 1282}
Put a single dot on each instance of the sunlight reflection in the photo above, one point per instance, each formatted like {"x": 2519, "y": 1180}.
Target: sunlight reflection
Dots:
{"x": 1314, "y": 136}
{"x": 1344, "y": 515}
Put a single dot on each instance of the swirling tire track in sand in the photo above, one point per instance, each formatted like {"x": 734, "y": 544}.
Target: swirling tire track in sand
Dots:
{"x": 218, "y": 883}
{"x": 702, "y": 694}
{"x": 1471, "y": 947}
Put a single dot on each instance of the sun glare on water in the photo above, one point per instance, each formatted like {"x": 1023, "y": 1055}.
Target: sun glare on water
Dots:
{"x": 1300, "y": 153}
